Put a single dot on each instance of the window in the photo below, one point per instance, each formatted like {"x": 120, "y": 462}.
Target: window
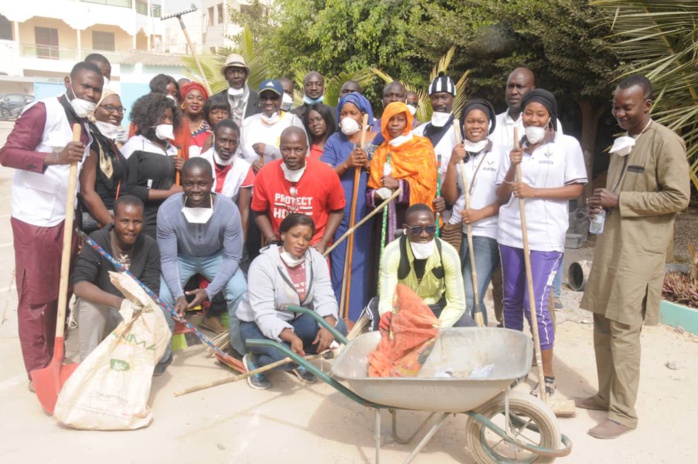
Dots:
{"x": 221, "y": 14}
{"x": 46, "y": 39}
{"x": 103, "y": 41}
{"x": 210, "y": 16}
{"x": 5, "y": 28}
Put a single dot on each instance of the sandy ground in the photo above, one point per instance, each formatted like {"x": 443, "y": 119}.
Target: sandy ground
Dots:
{"x": 298, "y": 424}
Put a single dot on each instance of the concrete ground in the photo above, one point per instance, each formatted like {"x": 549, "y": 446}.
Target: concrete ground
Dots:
{"x": 297, "y": 424}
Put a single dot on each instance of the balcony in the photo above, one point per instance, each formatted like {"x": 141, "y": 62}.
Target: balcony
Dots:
{"x": 121, "y": 3}
{"x": 141, "y": 6}
{"x": 49, "y": 52}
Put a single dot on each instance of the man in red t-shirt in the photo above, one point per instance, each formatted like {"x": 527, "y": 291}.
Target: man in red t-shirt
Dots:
{"x": 296, "y": 184}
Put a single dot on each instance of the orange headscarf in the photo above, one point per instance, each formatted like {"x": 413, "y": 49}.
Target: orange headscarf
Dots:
{"x": 413, "y": 160}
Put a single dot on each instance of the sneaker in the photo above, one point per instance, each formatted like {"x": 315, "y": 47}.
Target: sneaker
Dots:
{"x": 557, "y": 303}
{"x": 304, "y": 375}
{"x": 256, "y": 381}
{"x": 161, "y": 367}
{"x": 550, "y": 387}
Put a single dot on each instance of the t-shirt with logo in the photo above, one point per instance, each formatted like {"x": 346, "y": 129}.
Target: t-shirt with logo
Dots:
{"x": 318, "y": 192}
{"x": 552, "y": 165}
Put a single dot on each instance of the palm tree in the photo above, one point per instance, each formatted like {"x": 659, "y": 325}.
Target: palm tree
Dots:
{"x": 660, "y": 40}
{"x": 424, "y": 110}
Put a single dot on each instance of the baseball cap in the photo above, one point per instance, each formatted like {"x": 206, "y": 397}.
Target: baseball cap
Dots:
{"x": 271, "y": 85}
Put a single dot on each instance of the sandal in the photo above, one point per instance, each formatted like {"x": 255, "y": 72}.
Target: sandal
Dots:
{"x": 550, "y": 387}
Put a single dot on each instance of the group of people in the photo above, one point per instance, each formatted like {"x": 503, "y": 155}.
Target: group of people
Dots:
{"x": 238, "y": 196}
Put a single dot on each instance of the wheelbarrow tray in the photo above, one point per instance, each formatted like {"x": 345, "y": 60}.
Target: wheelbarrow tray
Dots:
{"x": 462, "y": 352}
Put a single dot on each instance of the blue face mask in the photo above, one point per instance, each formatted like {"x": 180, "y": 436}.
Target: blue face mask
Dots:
{"x": 309, "y": 101}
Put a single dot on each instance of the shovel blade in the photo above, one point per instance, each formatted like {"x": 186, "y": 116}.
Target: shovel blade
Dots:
{"x": 49, "y": 381}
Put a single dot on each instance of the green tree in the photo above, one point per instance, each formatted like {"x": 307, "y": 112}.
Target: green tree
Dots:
{"x": 660, "y": 40}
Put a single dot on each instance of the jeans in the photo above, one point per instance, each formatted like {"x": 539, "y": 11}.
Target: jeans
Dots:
{"x": 486, "y": 261}
{"x": 304, "y": 326}
{"x": 234, "y": 291}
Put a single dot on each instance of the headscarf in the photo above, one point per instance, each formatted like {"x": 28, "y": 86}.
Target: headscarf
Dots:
{"x": 546, "y": 99}
{"x": 189, "y": 86}
{"x": 482, "y": 105}
{"x": 359, "y": 101}
{"x": 105, "y": 93}
{"x": 413, "y": 160}
{"x": 105, "y": 161}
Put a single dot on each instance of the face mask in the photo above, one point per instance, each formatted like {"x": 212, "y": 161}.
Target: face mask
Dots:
{"x": 220, "y": 161}
{"x": 290, "y": 260}
{"x": 412, "y": 109}
{"x": 164, "y": 132}
{"x": 273, "y": 119}
{"x": 534, "y": 134}
{"x": 397, "y": 141}
{"x": 309, "y": 101}
{"x": 622, "y": 146}
{"x": 349, "y": 126}
{"x": 292, "y": 176}
{"x": 475, "y": 147}
{"x": 439, "y": 119}
{"x": 111, "y": 131}
{"x": 422, "y": 250}
{"x": 197, "y": 215}
{"x": 286, "y": 102}
{"x": 81, "y": 107}
{"x": 236, "y": 92}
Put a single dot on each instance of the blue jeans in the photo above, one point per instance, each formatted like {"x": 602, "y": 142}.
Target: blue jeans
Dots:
{"x": 208, "y": 267}
{"x": 486, "y": 261}
{"x": 304, "y": 326}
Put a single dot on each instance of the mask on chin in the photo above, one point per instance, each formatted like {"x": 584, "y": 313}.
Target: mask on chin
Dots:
{"x": 292, "y": 175}
{"x": 286, "y": 102}
{"x": 310, "y": 101}
{"x": 112, "y": 132}
{"x": 439, "y": 119}
{"x": 622, "y": 146}
{"x": 82, "y": 107}
{"x": 220, "y": 161}
{"x": 412, "y": 109}
{"x": 290, "y": 260}
{"x": 273, "y": 119}
{"x": 197, "y": 215}
{"x": 475, "y": 147}
{"x": 423, "y": 250}
{"x": 236, "y": 92}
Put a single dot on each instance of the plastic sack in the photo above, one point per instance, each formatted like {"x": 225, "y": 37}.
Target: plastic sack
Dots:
{"x": 109, "y": 390}
{"x": 408, "y": 334}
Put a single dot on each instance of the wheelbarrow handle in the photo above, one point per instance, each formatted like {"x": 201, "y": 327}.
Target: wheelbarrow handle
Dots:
{"x": 301, "y": 361}
{"x": 320, "y": 320}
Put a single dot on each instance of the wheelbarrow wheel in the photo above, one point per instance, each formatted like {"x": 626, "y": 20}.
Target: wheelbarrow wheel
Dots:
{"x": 530, "y": 421}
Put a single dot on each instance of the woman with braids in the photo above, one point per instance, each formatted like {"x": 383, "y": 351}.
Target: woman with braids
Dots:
{"x": 319, "y": 124}
{"x": 153, "y": 160}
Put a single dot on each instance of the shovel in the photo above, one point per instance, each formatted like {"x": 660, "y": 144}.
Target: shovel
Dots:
{"x": 49, "y": 380}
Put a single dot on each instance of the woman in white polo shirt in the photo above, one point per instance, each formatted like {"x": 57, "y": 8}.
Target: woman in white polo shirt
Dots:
{"x": 481, "y": 160}
{"x": 553, "y": 172}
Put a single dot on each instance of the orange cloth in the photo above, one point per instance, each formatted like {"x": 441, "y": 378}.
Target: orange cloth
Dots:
{"x": 413, "y": 160}
{"x": 408, "y": 334}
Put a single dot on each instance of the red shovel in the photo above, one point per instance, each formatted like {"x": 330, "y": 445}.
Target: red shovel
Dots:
{"x": 49, "y": 380}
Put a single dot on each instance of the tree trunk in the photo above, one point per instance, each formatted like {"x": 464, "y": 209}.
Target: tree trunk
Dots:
{"x": 590, "y": 121}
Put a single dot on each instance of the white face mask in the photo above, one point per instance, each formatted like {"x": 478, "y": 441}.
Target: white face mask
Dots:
{"x": 423, "y": 250}
{"x": 164, "y": 131}
{"x": 475, "y": 147}
{"x": 397, "y": 141}
{"x": 286, "y": 102}
{"x": 349, "y": 126}
{"x": 273, "y": 119}
{"x": 220, "y": 161}
{"x": 439, "y": 119}
{"x": 236, "y": 92}
{"x": 110, "y": 131}
{"x": 412, "y": 109}
{"x": 535, "y": 134}
{"x": 197, "y": 215}
{"x": 106, "y": 83}
{"x": 81, "y": 107}
{"x": 290, "y": 260}
{"x": 622, "y": 146}
{"x": 292, "y": 176}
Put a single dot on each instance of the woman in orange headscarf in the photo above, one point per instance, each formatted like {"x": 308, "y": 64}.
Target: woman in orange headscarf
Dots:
{"x": 403, "y": 160}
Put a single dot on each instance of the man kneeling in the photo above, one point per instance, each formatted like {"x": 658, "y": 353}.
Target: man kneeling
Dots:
{"x": 426, "y": 264}
{"x": 98, "y": 301}
{"x": 199, "y": 232}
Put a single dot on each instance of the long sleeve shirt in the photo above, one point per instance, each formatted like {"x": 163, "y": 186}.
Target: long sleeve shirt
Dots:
{"x": 222, "y": 234}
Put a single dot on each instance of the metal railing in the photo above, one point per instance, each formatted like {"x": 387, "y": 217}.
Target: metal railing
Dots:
{"x": 50, "y": 52}
{"x": 141, "y": 6}
{"x": 121, "y": 3}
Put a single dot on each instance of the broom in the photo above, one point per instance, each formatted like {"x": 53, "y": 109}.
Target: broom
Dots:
{"x": 222, "y": 340}
{"x": 561, "y": 408}
{"x": 477, "y": 310}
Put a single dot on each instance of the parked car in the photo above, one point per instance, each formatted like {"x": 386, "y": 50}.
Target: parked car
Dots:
{"x": 11, "y": 104}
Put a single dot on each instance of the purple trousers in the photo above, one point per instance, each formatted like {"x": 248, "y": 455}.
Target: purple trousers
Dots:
{"x": 544, "y": 266}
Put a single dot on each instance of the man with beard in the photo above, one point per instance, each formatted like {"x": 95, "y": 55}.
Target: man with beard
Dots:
{"x": 40, "y": 148}
{"x": 98, "y": 300}
{"x": 244, "y": 102}
{"x": 298, "y": 184}
{"x": 199, "y": 232}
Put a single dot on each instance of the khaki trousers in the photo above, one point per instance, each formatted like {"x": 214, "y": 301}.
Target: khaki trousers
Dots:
{"x": 95, "y": 323}
{"x": 617, "y": 348}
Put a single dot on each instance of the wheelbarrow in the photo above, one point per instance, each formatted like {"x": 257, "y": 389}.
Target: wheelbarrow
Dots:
{"x": 470, "y": 370}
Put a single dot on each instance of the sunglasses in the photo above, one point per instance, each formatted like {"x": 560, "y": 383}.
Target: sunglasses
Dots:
{"x": 418, "y": 230}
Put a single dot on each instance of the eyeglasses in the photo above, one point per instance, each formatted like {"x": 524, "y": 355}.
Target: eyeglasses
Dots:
{"x": 112, "y": 108}
{"x": 418, "y": 230}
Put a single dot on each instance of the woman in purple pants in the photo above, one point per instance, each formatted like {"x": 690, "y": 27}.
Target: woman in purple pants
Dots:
{"x": 553, "y": 173}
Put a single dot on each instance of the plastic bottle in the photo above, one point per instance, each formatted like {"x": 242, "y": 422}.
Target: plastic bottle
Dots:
{"x": 596, "y": 224}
